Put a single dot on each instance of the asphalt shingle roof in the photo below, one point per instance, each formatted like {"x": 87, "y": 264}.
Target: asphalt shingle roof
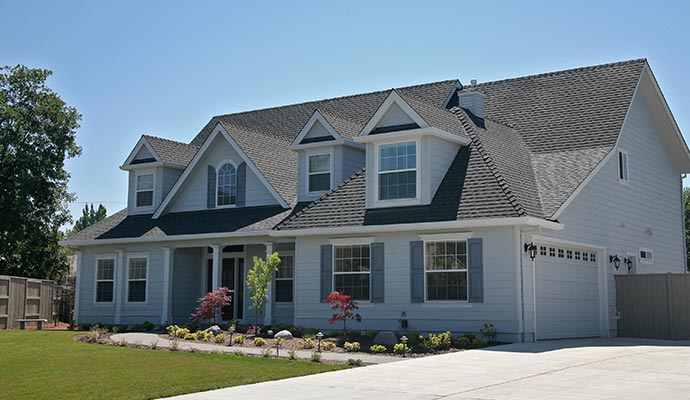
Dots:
{"x": 172, "y": 151}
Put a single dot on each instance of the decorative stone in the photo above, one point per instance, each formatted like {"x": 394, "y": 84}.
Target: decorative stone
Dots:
{"x": 215, "y": 329}
{"x": 386, "y": 339}
{"x": 284, "y": 334}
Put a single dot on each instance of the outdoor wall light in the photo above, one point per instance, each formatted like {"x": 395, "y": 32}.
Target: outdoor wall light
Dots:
{"x": 531, "y": 248}
{"x": 616, "y": 261}
{"x": 403, "y": 340}
{"x": 628, "y": 262}
{"x": 319, "y": 336}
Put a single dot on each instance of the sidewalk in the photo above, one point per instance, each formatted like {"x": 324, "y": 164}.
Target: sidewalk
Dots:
{"x": 146, "y": 339}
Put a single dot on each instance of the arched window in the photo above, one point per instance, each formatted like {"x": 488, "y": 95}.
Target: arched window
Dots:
{"x": 227, "y": 185}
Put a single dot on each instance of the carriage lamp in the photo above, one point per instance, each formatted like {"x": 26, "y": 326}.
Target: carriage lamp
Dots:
{"x": 232, "y": 332}
{"x": 616, "y": 261}
{"x": 403, "y": 340}
{"x": 319, "y": 336}
{"x": 628, "y": 262}
{"x": 531, "y": 249}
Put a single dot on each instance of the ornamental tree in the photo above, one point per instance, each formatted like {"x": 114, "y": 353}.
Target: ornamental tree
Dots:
{"x": 344, "y": 305}
{"x": 211, "y": 305}
{"x": 258, "y": 279}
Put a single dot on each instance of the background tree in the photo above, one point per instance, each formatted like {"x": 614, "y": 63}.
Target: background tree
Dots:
{"x": 686, "y": 209}
{"x": 89, "y": 217}
{"x": 258, "y": 279}
{"x": 37, "y": 134}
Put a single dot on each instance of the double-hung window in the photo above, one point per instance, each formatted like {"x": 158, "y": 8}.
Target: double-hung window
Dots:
{"x": 136, "y": 279}
{"x": 227, "y": 185}
{"x": 144, "y": 192}
{"x": 319, "y": 172}
{"x": 397, "y": 171}
{"x": 284, "y": 279}
{"x": 105, "y": 280}
{"x": 445, "y": 267}
{"x": 623, "y": 166}
{"x": 351, "y": 270}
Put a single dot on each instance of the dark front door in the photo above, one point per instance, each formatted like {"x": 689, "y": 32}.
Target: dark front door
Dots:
{"x": 232, "y": 277}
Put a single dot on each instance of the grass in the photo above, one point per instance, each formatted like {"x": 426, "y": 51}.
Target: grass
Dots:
{"x": 44, "y": 364}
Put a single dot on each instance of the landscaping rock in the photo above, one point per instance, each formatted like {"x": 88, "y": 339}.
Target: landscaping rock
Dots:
{"x": 284, "y": 334}
{"x": 386, "y": 339}
{"x": 215, "y": 329}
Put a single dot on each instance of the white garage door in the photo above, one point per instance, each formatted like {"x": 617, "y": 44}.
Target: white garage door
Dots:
{"x": 567, "y": 292}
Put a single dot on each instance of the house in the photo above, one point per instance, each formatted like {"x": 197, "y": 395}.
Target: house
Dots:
{"x": 422, "y": 202}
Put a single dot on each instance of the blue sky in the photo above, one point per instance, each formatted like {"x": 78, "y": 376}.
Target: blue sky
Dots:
{"x": 165, "y": 68}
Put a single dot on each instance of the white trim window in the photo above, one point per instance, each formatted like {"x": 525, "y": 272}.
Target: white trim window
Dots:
{"x": 319, "y": 172}
{"x": 445, "y": 267}
{"x": 397, "y": 171}
{"x": 623, "y": 166}
{"x": 137, "y": 271}
{"x": 144, "y": 190}
{"x": 352, "y": 270}
{"x": 646, "y": 256}
{"x": 105, "y": 279}
{"x": 285, "y": 279}
{"x": 226, "y": 188}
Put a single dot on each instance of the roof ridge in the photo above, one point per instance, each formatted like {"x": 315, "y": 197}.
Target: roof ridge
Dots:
{"x": 502, "y": 182}
{"x": 168, "y": 140}
{"x": 556, "y": 73}
{"x": 319, "y": 200}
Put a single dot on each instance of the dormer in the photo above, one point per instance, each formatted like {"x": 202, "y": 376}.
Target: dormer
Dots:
{"x": 409, "y": 146}
{"x": 326, "y": 154}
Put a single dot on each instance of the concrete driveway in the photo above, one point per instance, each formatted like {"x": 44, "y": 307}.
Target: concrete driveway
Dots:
{"x": 564, "y": 369}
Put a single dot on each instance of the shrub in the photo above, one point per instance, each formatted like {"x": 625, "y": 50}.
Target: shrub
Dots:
{"x": 259, "y": 342}
{"x": 354, "y": 363}
{"x": 154, "y": 344}
{"x": 148, "y": 326}
{"x": 316, "y": 357}
{"x": 479, "y": 343}
{"x": 401, "y": 348}
{"x": 120, "y": 329}
{"x": 354, "y": 346}
{"x": 170, "y": 329}
{"x": 327, "y": 346}
{"x": 191, "y": 326}
{"x": 372, "y": 334}
{"x": 278, "y": 342}
{"x": 292, "y": 355}
{"x": 265, "y": 353}
{"x": 189, "y": 336}
{"x": 308, "y": 343}
{"x": 123, "y": 342}
{"x": 463, "y": 342}
{"x": 209, "y": 306}
{"x": 220, "y": 339}
{"x": 470, "y": 336}
{"x": 344, "y": 305}
{"x": 239, "y": 339}
{"x": 489, "y": 333}
{"x": 378, "y": 348}
{"x": 92, "y": 336}
{"x": 439, "y": 341}
{"x": 174, "y": 345}
{"x": 200, "y": 335}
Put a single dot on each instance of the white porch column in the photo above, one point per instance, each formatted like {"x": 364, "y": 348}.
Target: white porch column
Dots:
{"x": 120, "y": 285}
{"x": 77, "y": 284}
{"x": 166, "y": 312}
{"x": 217, "y": 260}
{"x": 269, "y": 293}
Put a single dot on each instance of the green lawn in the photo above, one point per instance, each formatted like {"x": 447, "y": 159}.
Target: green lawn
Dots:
{"x": 50, "y": 365}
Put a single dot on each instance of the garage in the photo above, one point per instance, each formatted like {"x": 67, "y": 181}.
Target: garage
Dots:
{"x": 567, "y": 283}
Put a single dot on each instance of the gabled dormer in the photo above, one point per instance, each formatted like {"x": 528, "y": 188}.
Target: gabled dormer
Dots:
{"x": 327, "y": 155}
{"x": 409, "y": 146}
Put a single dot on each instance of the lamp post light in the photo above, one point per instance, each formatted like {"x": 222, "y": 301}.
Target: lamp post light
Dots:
{"x": 319, "y": 336}
{"x": 403, "y": 340}
{"x": 232, "y": 332}
{"x": 616, "y": 261}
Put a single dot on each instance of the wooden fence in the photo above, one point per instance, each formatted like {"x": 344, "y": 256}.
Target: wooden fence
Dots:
{"x": 24, "y": 298}
{"x": 654, "y": 306}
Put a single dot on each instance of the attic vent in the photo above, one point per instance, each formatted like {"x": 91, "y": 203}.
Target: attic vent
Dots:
{"x": 474, "y": 102}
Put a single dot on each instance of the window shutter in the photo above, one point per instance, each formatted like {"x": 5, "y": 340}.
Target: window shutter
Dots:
{"x": 241, "y": 184}
{"x": 377, "y": 273}
{"x": 417, "y": 271}
{"x": 476, "y": 270}
{"x": 326, "y": 270}
{"x": 211, "y": 193}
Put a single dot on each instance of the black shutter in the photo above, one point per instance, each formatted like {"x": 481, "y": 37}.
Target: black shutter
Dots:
{"x": 241, "y": 184}
{"x": 377, "y": 273}
{"x": 211, "y": 191}
{"x": 326, "y": 270}
{"x": 476, "y": 270}
{"x": 417, "y": 271}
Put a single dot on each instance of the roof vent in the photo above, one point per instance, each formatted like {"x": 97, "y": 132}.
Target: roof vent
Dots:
{"x": 474, "y": 102}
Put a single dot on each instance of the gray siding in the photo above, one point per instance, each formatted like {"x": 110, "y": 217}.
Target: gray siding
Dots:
{"x": 346, "y": 161}
{"x": 188, "y": 285}
{"x": 438, "y": 155}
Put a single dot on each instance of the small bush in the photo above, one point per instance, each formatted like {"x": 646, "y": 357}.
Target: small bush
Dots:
{"x": 92, "y": 336}
{"x": 265, "y": 353}
{"x": 239, "y": 339}
{"x": 328, "y": 346}
{"x": 191, "y": 326}
{"x": 463, "y": 343}
{"x": 220, "y": 339}
{"x": 174, "y": 345}
{"x": 489, "y": 333}
{"x": 308, "y": 343}
{"x": 259, "y": 342}
{"x": 200, "y": 335}
{"x": 123, "y": 342}
{"x": 372, "y": 334}
{"x": 119, "y": 329}
{"x": 354, "y": 346}
{"x": 316, "y": 357}
{"x": 378, "y": 348}
{"x": 189, "y": 336}
{"x": 439, "y": 341}
{"x": 292, "y": 355}
{"x": 401, "y": 348}
{"x": 278, "y": 342}
{"x": 154, "y": 344}
{"x": 170, "y": 329}
{"x": 470, "y": 336}
{"x": 479, "y": 343}
{"x": 148, "y": 326}
{"x": 354, "y": 363}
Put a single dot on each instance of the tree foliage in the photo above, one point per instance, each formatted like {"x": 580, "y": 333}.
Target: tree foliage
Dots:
{"x": 258, "y": 279}
{"x": 686, "y": 210}
{"x": 37, "y": 135}
{"x": 210, "y": 306}
{"x": 344, "y": 305}
{"x": 89, "y": 217}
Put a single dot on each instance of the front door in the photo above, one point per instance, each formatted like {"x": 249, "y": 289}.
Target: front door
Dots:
{"x": 232, "y": 277}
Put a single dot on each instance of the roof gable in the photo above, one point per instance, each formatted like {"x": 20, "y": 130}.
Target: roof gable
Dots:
{"x": 316, "y": 130}
{"x": 394, "y": 114}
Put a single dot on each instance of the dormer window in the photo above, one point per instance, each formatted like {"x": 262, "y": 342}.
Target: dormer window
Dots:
{"x": 319, "y": 172}
{"x": 144, "y": 196}
{"x": 397, "y": 171}
{"x": 227, "y": 185}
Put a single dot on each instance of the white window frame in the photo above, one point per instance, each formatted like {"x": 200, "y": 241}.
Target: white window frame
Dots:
{"x": 218, "y": 167}
{"x": 646, "y": 261}
{"x": 127, "y": 280}
{"x": 315, "y": 153}
{"x": 398, "y": 202}
{"x": 466, "y": 270}
{"x": 96, "y": 280}
{"x": 364, "y": 243}
{"x": 288, "y": 254}
{"x": 623, "y": 154}
{"x": 137, "y": 191}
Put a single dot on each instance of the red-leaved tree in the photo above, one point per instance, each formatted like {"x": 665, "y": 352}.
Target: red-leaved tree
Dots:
{"x": 211, "y": 304}
{"x": 344, "y": 305}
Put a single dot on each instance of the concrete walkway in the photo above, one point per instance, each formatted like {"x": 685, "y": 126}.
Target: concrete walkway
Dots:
{"x": 146, "y": 339}
{"x": 569, "y": 369}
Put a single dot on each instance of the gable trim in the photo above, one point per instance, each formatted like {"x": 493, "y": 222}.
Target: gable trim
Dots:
{"x": 393, "y": 97}
{"x": 218, "y": 130}
{"x": 316, "y": 117}
{"x": 141, "y": 143}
